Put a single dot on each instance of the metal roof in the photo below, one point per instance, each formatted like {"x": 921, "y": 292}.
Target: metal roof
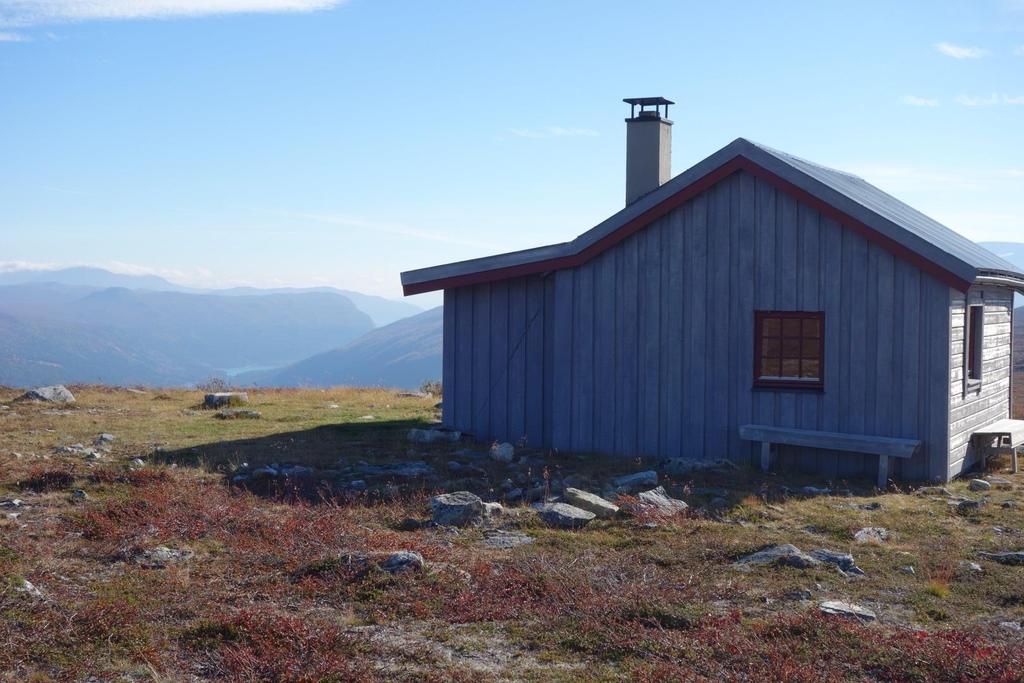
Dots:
{"x": 903, "y": 228}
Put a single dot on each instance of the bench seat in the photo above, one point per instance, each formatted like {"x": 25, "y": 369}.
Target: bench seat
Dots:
{"x": 884, "y": 447}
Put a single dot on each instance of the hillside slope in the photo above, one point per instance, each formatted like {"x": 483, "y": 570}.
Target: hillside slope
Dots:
{"x": 403, "y": 354}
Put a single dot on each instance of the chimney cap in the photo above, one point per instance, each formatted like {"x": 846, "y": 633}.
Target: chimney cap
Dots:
{"x": 644, "y": 102}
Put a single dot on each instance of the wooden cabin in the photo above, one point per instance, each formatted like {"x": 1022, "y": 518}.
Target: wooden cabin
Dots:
{"x": 757, "y": 307}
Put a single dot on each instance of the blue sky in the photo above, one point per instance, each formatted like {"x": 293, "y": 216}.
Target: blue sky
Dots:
{"x": 304, "y": 142}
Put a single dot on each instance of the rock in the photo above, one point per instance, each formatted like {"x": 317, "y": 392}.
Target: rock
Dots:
{"x": 659, "y": 501}
{"x": 295, "y": 471}
{"x": 456, "y": 509}
{"x": 909, "y": 569}
{"x": 971, "y": 566}
{"x": 1015, "y": 558}
{"x": 635, "y": 481}
{"x": 577, "y": 481}
{"x": 1009, "y": 504}
{"x": 225, "y": 398}
{"x": 57, "y": 393}
{"x": 815, "y": 491}
{"x": 979, "y": 485}
{"x": 103, "y": 441}
{"x": 1001, "y": 484}
{"x": 403, "y": 561}
{"x": 11, "y": 503}
{"x": 368, "y": 417}
{"x": 799, "y": 595}
{"x": 685, "y": 466}
{"x": 514, "y": 496}
{"x": 564, "y": 516}
{"x": 1011, "y": 625}
{"x": 493, "y": 509}
{"x": 503, "y": 540}
{"x": 238, "y": 414}
{"x": 591, "y": 503}
{"x": 79, "y": 495}
{"x": 842, "y": 561}
{"x": 138, "y": 462}
{"x": 161, "y": 556}
{"x": 433, "y": 436}
{"x": 786, "y": 555}
{"x": 966, "y": 507}
{"x": 934, "y": 491}
{"x": 872, "y": 534}
{"x": 23, "y": 585}
{"x": 502, "y": 452}
{"x": 847, "y": 609}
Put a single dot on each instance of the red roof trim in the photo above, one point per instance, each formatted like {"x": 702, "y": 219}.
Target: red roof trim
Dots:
{"x": 677, "y": 199}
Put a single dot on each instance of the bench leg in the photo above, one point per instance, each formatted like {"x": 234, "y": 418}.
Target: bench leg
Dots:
{"x": 883, "y": 471}
{"x": 766, "y": 456}
{"x": 1014, "y": 459}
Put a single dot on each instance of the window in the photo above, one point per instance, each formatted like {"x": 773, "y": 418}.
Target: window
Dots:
{"x": 789, "y": 349}
{"x": 975, "y": 339}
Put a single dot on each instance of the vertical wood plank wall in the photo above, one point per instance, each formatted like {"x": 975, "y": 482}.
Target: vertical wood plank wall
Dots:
{"x": 975, "y": 409}
{"x": 647, "y": 349}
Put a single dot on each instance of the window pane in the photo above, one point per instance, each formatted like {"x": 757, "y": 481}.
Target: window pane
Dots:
{"x": 791, "y": 348}
{"x": 791, "y": 368}
{"x": 811, "y": 369}
{"x": 790, "y": 327}
{"x": 771, "y": 327}
{"x": 811, "y": 348}
{"x": 770, "y": 367}
{"x": 771, "y": 348}
{"x": 812, "y": 327}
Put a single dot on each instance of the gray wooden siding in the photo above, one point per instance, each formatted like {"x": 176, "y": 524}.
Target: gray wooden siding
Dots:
{"x": 647, "y": 349}
{"x": 971, "y": 410}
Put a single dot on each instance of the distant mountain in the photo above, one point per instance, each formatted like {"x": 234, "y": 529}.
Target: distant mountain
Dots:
{"x": 403, "y": 354}
{"x": 51, "y": 332}
{"x": 382, "y": 311}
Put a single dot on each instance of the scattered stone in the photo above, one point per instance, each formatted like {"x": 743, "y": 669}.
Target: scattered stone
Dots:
{"x": 514, "y": 496}
{"x": 403, "y": 561}
{"x": 433, "y": 436}
{"x": 966, "y": 507}
{"x": 1011, "y": 625}
{"x": 1009, "y": 504}
{"x": 785, "y": 555}
{"x": 979, "y": 485}
{"x": 635, "y": 481}
{"x": 659, "y": 501}
{"x": 79, "y": 495}
{"x": 461, "y": 508}
{"x": 79, "y": 449}
{"x": 847, "y": 609}
{"x": 138, "y": 462}
{"x": 971, "y": 566}
{"x": 358, "y": 485}
{"x": 870, "y": 506}
{"x": 404, "y": 470}
{"x": 872, "y": 534}
{"x": 238, "y": 414}
{"x": 1015, "y": 558}
{"x": 934, "y": 491}
{"x": 12, "y": 503}
{"x": 503, "y": 540}
{"x": 23, "y": 585}
{"x": 502, "y": 452}
{"x": 591, "y": 503}
{"x": 564, "y": 516}
{"x": 225, "y": 398}
{"x": 909, "y": 569}
{"x": 161, "y": 556}
{"x": 843, "y": 561}
{"x": 815, "y": 491}
{"x": 493, "y": 509}
{"x": 57, "y": 393}
{"x": 1001, "y": 484}
{"x": 103, "y": 441}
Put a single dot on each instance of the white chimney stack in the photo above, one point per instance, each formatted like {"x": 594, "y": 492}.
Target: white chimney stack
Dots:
{"x": 648, "y": 146}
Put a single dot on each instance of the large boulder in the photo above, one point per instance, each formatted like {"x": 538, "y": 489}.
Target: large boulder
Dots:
{"x": 461, "y": 508}
{"x": 563, "y": 516}
{"x": 221, "y": 399}
{"x": 591, "y": 503}
{"x": 57, "y": 393}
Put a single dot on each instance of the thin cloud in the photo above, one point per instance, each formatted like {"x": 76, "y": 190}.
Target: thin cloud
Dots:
{"x": 393, "y": 229}
{"x": 915, "y": 101}
{"x": 961, "y": 52}
{"x": 988, "y": 100}
{"x": 14, "y": 38}
{"x": 553, "y": 132}
{"x": 34, "y": 12}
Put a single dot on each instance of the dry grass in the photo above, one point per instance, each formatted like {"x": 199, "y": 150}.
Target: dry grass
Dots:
{"x": 267, "y": 595}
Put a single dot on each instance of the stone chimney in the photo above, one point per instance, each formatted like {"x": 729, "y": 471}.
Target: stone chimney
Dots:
{"x": 648, "y": 146}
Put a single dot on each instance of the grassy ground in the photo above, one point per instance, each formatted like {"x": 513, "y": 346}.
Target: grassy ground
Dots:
{"x": 267, "y": 595}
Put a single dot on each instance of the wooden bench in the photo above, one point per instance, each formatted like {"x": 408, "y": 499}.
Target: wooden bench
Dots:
{"x": 884, "y": 447}
{"x": 1003, "y": 434}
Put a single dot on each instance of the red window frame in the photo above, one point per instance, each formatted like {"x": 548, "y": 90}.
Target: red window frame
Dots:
{"x": 777, "y": 339}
